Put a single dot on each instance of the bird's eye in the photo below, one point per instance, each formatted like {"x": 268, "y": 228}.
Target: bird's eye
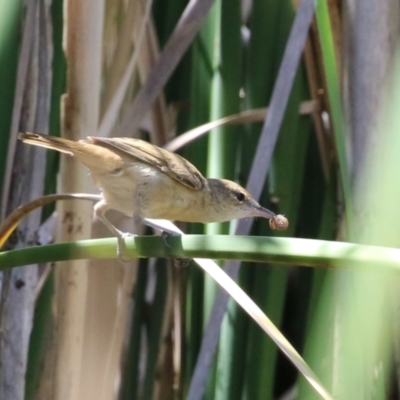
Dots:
{"x": 239, "y": 196}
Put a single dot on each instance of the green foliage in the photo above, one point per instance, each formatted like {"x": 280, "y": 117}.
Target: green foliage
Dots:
{"x": 232, "y": 66}
{"x": 10, "y": 23}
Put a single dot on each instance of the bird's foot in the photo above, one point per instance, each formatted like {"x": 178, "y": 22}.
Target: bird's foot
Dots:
{"x": 178, "y": 262}
{"x": 181, "y": 262}
{"x": 122, "y": 251}
{"x": 164, "y": 236}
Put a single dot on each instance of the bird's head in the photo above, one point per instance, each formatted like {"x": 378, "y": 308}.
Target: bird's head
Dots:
{"x": 234, "y": 202}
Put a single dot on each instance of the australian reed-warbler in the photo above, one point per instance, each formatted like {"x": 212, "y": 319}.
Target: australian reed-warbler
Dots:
{"x": 145, "y": 181}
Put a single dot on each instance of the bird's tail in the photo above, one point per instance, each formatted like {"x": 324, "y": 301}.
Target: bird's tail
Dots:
{"x": 50, "y": 142}
{"x": 97, "y": 158}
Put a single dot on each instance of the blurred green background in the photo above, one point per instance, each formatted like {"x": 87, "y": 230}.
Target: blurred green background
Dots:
{"x": 334, "y": 174}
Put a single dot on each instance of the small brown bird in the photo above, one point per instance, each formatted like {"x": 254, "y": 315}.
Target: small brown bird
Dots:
{"x": 145, "y": 181}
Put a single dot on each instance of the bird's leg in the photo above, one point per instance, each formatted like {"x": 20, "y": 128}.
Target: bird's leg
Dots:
{"x": 100, "y": 209}
{"x": 153, "y": 224}
{"x": 165, "y": 232}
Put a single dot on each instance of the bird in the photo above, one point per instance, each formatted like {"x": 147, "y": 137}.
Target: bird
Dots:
{"x": 142, "y": 181}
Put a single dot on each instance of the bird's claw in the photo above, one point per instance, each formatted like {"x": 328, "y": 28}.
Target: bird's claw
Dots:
{"x": 178, "y": 262}
{"x": 122, "y": 251}
{"x": 181, "y": 262}
{"x": 164, "y": 236}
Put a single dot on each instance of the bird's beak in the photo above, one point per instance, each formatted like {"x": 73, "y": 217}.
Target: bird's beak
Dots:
{"x": 263, "y": 212}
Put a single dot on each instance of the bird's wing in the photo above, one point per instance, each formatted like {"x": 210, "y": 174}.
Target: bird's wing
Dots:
{"x": 169, "y": 163}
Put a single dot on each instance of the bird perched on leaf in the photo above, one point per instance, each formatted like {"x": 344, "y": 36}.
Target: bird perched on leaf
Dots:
{"x": 145, "y": 181}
